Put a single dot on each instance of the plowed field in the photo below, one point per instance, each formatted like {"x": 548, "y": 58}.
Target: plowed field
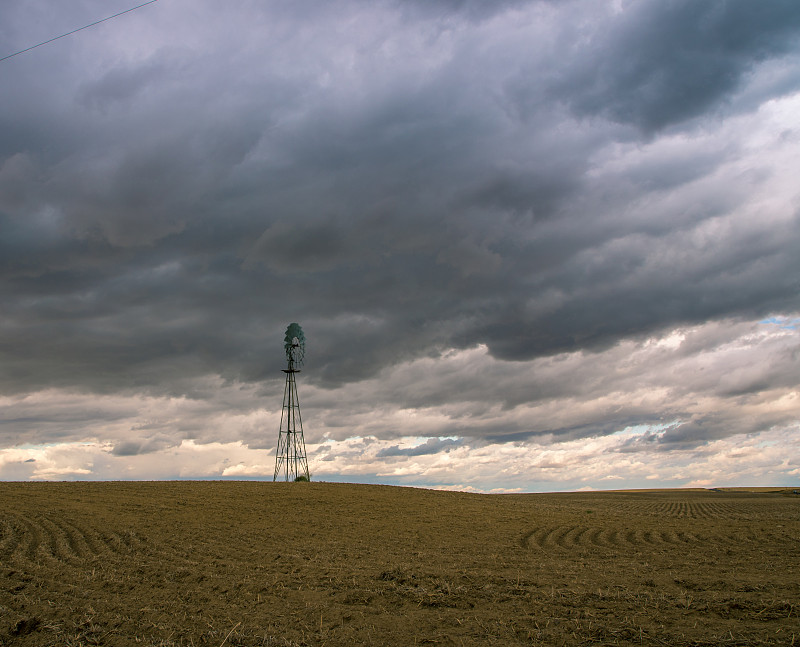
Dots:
{"x": 244, "y": 563}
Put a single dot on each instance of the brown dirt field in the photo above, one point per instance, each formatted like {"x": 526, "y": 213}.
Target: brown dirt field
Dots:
{"x": 245, "y": 563}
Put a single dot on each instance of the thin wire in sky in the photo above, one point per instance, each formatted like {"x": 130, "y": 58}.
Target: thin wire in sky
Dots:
{"x": 97, "y": 22}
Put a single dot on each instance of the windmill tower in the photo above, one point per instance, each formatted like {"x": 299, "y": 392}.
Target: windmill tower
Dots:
{"x": 290, "y": 457}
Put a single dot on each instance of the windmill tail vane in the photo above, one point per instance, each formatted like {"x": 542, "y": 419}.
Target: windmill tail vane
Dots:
{"x": 290, "y": 457}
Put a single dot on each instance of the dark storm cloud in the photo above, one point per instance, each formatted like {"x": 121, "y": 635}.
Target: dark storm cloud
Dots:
{"x": 666, "y": 62}
{"x": 402, "y": 179}
{"x": 33, "y": 423}
{"x": 700, "y": 430}
{"x": 133, "y": 448}
{"x": 430, "y": 446}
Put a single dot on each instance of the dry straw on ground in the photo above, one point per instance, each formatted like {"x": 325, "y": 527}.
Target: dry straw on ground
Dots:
{"x": 230, "y": 564}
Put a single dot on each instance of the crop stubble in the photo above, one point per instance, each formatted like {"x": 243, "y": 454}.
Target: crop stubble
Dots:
{"x": 246, "y": 563}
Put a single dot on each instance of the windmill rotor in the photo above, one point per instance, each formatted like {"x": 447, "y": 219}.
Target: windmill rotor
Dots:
{"x": 294, "y": 343}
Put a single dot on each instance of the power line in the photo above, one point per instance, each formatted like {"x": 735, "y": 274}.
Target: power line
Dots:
{"x": 97, "y": 22}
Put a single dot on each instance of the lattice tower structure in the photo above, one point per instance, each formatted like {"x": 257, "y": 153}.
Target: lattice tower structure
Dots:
{"x": 290, "y": 457}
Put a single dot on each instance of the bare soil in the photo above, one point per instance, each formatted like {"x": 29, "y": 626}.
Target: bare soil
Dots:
{"x": 245, "y": 563}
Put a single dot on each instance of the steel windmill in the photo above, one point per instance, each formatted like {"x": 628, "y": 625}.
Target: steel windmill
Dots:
{"x": 290, "y": 456}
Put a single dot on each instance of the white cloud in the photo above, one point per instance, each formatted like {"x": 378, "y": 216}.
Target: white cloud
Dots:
{"x": 766, "y": 458}
{"x": 612, "y": 433}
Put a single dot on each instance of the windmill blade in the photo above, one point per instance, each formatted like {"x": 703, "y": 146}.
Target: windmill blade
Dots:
{"x": 294, "y": 343}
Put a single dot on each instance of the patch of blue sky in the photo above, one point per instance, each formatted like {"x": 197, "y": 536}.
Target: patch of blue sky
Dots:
{"x": 640, "y": 430}
{"x": 792, "y": 323}
{"x": 410, "y": 442}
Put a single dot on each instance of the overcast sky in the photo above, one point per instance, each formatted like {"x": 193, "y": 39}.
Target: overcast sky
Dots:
{"x": 533, "y": 245}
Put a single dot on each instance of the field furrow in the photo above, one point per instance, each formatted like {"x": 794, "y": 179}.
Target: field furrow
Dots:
{"x": 575, "y": 537}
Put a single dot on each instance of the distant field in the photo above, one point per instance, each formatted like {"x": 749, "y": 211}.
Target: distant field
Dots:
{"x": 243, "y": 563}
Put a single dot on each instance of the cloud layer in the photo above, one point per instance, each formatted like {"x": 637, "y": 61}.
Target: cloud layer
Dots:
{"x": 501, "y": 225}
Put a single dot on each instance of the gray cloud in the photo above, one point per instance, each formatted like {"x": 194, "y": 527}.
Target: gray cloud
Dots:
{"x": 430, "y": 446}
{"x": 134, "y": 448}
{"x": 662, "y": 64}
{"x": 546, "y": 179}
